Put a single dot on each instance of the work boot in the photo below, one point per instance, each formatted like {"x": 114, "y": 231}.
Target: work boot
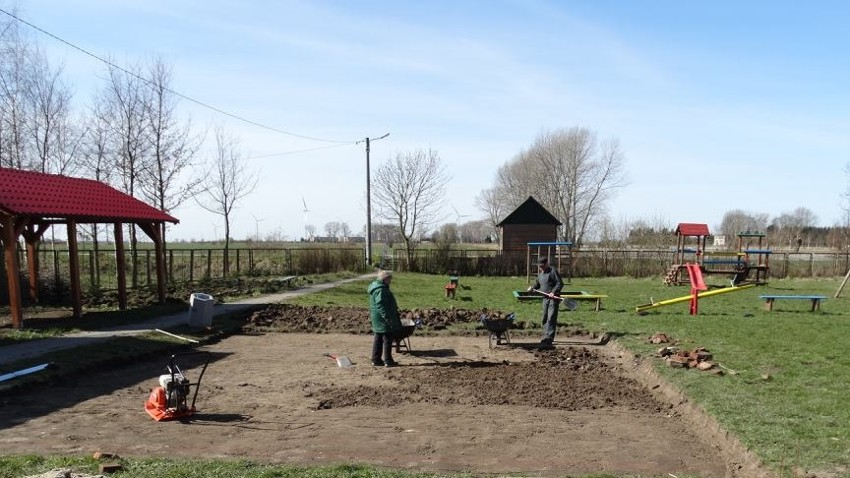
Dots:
{"x": 377, "y": 363}
{"x": 390, "y": 363}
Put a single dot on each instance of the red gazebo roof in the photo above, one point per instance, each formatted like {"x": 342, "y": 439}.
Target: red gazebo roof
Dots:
{"x": 30, "y": 193}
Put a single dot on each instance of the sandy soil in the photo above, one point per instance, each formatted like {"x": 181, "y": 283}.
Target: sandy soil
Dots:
{"x": 454, "y": 404}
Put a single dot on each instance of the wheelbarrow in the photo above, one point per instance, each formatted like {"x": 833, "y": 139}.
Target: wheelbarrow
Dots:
{"x": 498, "y": 329}
{"x": 402, "y": 338}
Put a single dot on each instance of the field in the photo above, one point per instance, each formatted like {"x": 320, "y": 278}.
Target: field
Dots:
{"x": 601, "y": 401}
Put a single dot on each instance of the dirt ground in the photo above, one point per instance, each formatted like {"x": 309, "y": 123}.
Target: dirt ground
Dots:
{"x": 454, "y": 404}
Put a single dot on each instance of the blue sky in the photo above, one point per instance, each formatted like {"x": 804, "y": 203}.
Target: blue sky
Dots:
{"x": 717, "y": 105}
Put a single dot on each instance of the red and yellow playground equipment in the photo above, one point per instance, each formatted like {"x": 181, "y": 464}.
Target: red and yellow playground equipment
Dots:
{"x": 749, "y": 263}
{"x": 698, "y": 291}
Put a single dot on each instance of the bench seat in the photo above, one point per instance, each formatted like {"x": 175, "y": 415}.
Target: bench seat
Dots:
{"x": 770, "y": 299}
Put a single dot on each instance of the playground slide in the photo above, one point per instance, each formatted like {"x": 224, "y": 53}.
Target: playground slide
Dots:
{"x": 686, "y": 298}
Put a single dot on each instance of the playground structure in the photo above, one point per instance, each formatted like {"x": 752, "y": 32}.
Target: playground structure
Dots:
{"x": 698, "y": 291}
{"x": 558, "y": 253}
{"x": 748, "y": 264}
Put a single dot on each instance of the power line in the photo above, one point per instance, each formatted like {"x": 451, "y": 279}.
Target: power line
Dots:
{"x": 270, "y": 155}
{"x": 176, "y": 93}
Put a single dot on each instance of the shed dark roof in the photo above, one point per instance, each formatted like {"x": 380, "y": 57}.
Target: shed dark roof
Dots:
{"x": 691, "y": 229}
{"x": 30, "y": 193}
{"x": 530, "y": 212}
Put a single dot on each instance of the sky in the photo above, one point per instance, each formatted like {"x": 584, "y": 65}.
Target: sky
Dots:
{"x": 717, "y": 106}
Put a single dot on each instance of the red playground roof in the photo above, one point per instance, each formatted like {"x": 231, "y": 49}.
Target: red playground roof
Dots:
{"x": 34, "y": 194}
{"x": 692, "y": 229}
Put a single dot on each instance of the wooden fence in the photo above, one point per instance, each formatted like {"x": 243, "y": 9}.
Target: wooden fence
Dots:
{"x": 194, "y": 265}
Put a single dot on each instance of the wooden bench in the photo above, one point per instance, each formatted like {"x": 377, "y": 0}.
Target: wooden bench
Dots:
{"x": 770, "y": 299}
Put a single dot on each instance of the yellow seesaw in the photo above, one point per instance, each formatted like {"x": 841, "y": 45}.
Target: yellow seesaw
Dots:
{"x": 686, "y": 298}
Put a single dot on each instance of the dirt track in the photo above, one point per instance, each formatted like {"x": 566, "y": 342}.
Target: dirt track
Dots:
{"x": 454, "y": 404}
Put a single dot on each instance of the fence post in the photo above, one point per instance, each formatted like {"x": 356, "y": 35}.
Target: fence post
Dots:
{"x": 92, "y": 283}
{"x": 811, "y": 265}
{"x": 56, "y": 270}
{"x": 784, "y": 265}
{"x": 208, "y": 274}
{"x": 191, "y": 265}
{"x": 147, "y": 267}
{"x": 288, "y": 254}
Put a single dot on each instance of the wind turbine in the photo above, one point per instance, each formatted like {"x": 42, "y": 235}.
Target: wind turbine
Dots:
{"x": 257, "y": 222}
{"x": 304, "y": 203}
{"x": 457, "y": 221}
{"x": 459, "y": 215}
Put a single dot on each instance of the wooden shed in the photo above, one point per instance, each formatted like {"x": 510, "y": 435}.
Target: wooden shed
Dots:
{"x": 530, "y": 222}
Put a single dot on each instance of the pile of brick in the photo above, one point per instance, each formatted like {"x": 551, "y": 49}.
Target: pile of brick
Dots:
{"x": 698, "y": 358}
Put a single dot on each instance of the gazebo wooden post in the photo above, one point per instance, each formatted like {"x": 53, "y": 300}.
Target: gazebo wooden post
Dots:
{"x": 74, "y": 265}
{"x": 159, "y": 247}
{"x": 121, "y": 267}
{"x": 12, "y": 270}
{"x": 32, "y": 236}
{"x": 32, "y": 264}
{"x": 154, "y": 231}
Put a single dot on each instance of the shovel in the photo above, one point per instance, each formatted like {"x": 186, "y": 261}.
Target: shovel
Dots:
{"x": 343, "y": 362}
{"x": 551, "y": 296}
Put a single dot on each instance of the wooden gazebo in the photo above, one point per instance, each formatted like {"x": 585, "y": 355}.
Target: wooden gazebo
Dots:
{"x": 30, "y": 202}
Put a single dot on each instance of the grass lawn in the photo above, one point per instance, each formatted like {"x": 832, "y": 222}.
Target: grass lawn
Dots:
{"x": 785, "y": 399}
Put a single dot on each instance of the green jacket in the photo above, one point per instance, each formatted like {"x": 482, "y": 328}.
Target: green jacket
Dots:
{"x": 383, "y": 309}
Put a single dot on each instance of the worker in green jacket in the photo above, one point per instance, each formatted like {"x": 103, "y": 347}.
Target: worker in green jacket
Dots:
{"x": 386, "y": 324}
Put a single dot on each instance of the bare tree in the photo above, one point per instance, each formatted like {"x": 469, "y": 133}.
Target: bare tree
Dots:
{"x": 332, "y": 229}
{"x": 227, "y": 184}
{"x": 410, "y": 191}
{"x": 344, "y": 231}
{"x": 844, "y": 221}
{"x": 310, "y": 230}
{"x": 447, "y": 234}
{"x": 173, "y": 147}
{"x": 54, "y": 144}
{"x": 95, "y": 163}
{"x": 515, "y": 181}
{"x": 495, "y": 207}
{"x": 570, "y": 173}
{"x": 476, "y": 232}
{"x": 613, "y": 233}
{"x": 738, "y": 221}
{"x": 14, "y": 83}
{"x": 122, "y": 103}
{"x": 788, "y": 227}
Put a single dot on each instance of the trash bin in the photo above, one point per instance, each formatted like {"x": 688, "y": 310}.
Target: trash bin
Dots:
{"x": 200, "y": 310}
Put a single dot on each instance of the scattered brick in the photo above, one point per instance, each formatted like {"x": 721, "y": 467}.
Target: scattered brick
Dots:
{"x": 110, "y": 467}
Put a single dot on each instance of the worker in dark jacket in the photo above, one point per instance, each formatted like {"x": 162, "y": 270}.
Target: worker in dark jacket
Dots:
{"x": 386, "y": 324}
{"x": 550, "y": 284}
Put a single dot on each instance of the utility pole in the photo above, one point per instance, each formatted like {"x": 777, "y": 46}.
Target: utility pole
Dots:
{"x": 369, "y": 205}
